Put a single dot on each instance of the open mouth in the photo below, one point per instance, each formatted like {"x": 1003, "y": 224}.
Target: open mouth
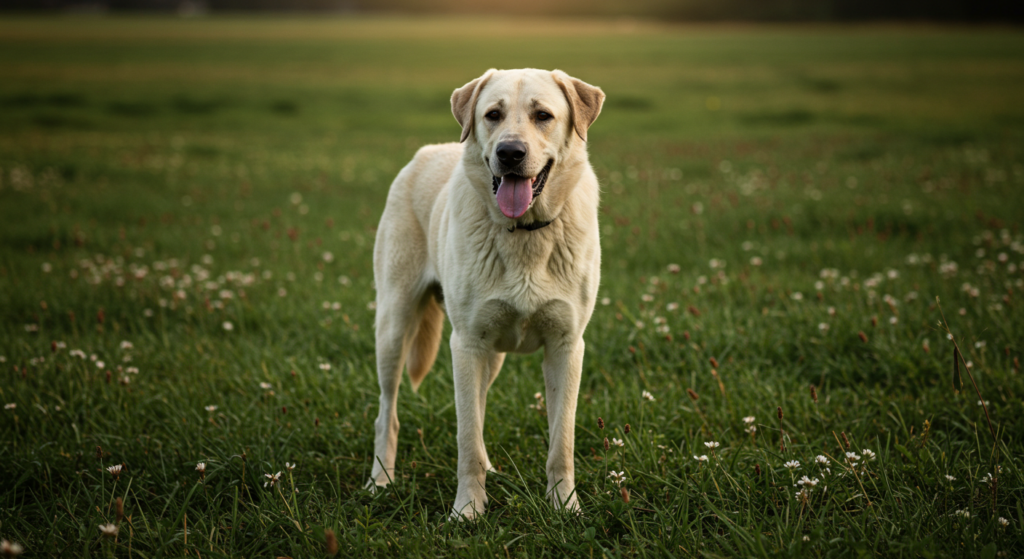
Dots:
{"x": 516, "y": 193}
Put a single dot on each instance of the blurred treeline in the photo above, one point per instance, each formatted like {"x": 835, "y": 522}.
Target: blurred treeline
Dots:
{"x": 681, "y": 10}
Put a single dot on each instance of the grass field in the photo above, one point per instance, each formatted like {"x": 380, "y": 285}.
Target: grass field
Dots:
{"x": 187, "y": 214}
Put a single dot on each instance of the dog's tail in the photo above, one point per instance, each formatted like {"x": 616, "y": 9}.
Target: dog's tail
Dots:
{"x": 426, "y": 343}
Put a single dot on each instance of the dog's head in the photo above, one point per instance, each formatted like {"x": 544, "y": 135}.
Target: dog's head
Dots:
{"x": 526, "y": 129}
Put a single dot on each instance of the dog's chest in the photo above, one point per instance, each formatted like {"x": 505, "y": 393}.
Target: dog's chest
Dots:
{"x": 517, "y": 301}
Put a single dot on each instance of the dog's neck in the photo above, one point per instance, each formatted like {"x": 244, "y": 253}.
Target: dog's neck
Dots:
{"x": 531, "y": 226}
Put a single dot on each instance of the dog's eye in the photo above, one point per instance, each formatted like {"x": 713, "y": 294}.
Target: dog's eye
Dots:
{"x": 542, "y": 116}
{"x": 493, "y": 115}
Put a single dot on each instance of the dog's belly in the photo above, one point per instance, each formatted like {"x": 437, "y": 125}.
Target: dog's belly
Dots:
{"x": 502, "y": 326}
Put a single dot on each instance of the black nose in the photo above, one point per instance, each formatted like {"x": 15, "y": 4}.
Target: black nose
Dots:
{"x": 511, "y": 153}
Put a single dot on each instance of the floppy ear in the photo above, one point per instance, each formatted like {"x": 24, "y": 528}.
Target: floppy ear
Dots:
{"x": 464, "y": 102}
{"x": 585, "y": 101}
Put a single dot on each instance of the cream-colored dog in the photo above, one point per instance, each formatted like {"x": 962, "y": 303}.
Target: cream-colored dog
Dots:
{"x": 501, "y": 229}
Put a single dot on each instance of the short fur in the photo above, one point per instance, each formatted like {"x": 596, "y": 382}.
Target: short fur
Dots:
{"x": 442, "y": 239}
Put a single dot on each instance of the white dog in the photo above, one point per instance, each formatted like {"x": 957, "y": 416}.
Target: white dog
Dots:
{"x": 501, "y": 229}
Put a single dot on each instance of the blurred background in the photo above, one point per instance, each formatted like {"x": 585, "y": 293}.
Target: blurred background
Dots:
{"x": 693, "y": 10}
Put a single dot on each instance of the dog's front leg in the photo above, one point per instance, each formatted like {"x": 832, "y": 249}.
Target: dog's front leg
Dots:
{"x": 563, "y": 366}
{"x": 471, "y": 367}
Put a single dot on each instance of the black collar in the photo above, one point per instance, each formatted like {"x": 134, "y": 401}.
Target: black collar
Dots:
{"x": 532, "y": 226}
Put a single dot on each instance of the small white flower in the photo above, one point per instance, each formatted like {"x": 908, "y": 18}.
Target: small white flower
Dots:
{"x": 748, "y": 420}
{"x": 10, "y": 549}
{"x": 266, "y": 385}
{"x": 803, "y": 494}
{"x": 289, "y": 466}
{"x": 272, "y": 479}
{"x": 821, "y": 459}
{"x": 752, "y": 429}
{"x": 100, "y": 364}
{"x": 797, "y": 296}
{"x": 10, "y": 406}
{"x": 893, "y": 320}
{"x": 211, "y": 408}
{"x": 126, "y": 345}
{"x": 1003, "y": 522}
{"x": 671, "y": 307}
{"x": 701, "y": 458}
{"x": 227, "y": 325}
{"x": 328, "y": 256}
{"x": 852, "y": 456}
{"x": 282, "y": 292}
{"x": 132, "y": 370}
{"x": 617, "y": 442}
{"x": 115, "y": 470}
{"x": 823, "y": 326}
{"x": 950, "y": 478}
{"x": 792, "y": 464}
{"x": 108, "y": 530}
{"x": 964, "y": 513}
{"x": 647, "y": 297}
{"x": 639, "y": 325}
{"x": 673, "y": 268}
{"x": 201, "y": 467}
{"x": 712, "y": 445}
{"x": 617, "y": 477}
{"x": 647, "y": 396}
{"x": 325, "y": 366}
{"x": 980, "y": 403}
{"x": 806, "y": 481}
{"x": 807, "y": 538}
{"x": 868, "y": 454}
{"x": 605, "y": 301}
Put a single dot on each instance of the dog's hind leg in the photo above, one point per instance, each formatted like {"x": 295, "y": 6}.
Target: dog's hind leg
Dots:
{"x": 395, "y": 329}
{"x": 401, "y": 293}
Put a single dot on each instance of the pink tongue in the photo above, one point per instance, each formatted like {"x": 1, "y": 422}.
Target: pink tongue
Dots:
{"x": 514, "y": 196}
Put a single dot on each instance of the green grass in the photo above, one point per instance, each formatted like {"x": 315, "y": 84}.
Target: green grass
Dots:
{"x": 161, "y": 178}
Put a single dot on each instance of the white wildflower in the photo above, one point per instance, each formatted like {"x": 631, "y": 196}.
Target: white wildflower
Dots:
{"x": 701, "y": 458}
{"x": 211, "y": 408}
{"x": 617, "y": 442}
{"x": 108, "y": 530}
{"x": 647, "y": 396}
{"x": 617, "y": 477}
{"x": 792, "y": 464}
{"x": 272, "y": 479}
{"x": 712, "y": 444}
{"x": 10, "y": 549}
{"x": 806, "y": 481}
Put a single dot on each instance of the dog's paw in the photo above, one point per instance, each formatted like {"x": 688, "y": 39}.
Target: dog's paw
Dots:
{"x": 568, "y": 504}
{"x": 372, "y": 486}
{"x": 468, "y": 507}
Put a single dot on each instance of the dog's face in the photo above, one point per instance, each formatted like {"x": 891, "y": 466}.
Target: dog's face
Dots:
{"x": 526, "y": 127}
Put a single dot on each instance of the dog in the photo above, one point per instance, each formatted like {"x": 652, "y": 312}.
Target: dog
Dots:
{"x": 501, "y": 231}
